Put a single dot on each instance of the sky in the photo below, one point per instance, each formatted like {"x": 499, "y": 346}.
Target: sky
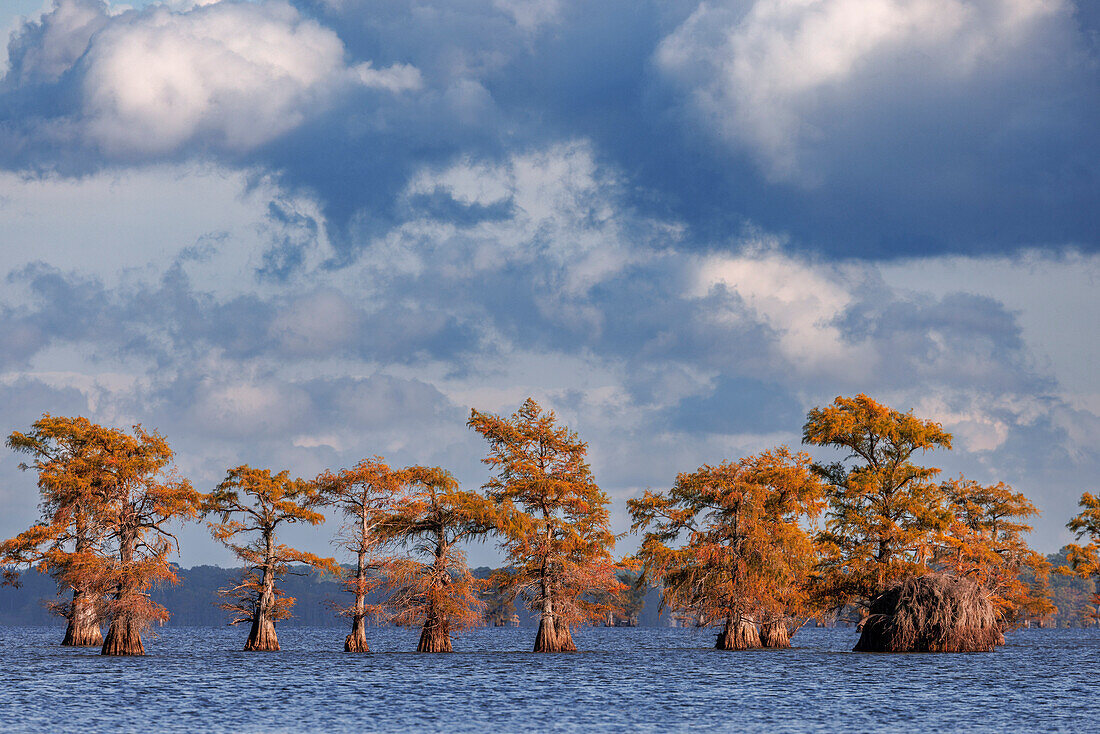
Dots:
{"x": 295, "y": 234}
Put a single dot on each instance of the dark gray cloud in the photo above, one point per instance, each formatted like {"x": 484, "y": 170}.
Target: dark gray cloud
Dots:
{"x": 950, "y": 128}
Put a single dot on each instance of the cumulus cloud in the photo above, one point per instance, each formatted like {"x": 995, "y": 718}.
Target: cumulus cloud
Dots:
{"x": 407, "y": 209}
{"x": 227, "y": 76}
{"x": 553, "y": 205}
{"x": 876, "y": 129}
{"x": 782, "y": 77}
{"x": 800, "y": 301}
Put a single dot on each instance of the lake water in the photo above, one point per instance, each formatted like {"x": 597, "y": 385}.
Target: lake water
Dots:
{"x": 197, "y": 679}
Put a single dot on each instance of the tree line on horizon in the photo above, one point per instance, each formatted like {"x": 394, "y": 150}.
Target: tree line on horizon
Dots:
{"x": 755, "y": 546}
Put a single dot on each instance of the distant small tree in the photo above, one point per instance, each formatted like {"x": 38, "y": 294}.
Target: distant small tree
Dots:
{"x": 142, "y": 496}
{"x": 1084, "y": 560}
{"x": 556, "y": 528}
{"x": 435, "y": 588}
{"x": 69, "y": 455}
{"x": 728, "y": 546}
{"x": 499, "y": 604}
{"x": 1071, "y": 594}
{"x": 885, "y": 513}
{"x": 255, "y": 501}
{"x": 985, "y": 541}
{"x": 363, "y": 495}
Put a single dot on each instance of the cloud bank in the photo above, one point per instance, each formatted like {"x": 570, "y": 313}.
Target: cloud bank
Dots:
{"x": 299, "y": 233}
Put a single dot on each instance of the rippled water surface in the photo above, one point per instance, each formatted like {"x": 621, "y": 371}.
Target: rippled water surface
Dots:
{"x": 197, "y": 679}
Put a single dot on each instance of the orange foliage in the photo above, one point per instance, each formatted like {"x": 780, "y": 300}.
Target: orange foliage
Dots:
{"x": 554, "y": 521}
{"x": 885, "y": 514}
{"x": 1084, "y": 560}
{"x": 255, "y": 501}
{"x": 69, "y": 455}
{"x": 431, "y": 519}
{"x": 984, "y": 540}
{"x": 141, "y": 495}
{"x": 107, "y": 496}
{"x": 727, "y": 542}
{"x": 363, "y": 495}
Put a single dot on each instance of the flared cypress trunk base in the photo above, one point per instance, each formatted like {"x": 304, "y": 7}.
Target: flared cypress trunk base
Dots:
{"x": 554, "y": 636}
{"x": 738, "y": 635}
{"x": 435, "y": 637}
{"x": 775, "y": 634}
{"x": 82, "y": 635}
{"x": 262, "y": 637}
{"x": 357, "y": 640}
{"x": 356, "y": 644}
{"x": 123, "y": 638}
{"x": 83, "y": 628}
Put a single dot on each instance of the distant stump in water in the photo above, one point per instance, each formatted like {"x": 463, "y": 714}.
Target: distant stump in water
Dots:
{"x": 933, "y": 613}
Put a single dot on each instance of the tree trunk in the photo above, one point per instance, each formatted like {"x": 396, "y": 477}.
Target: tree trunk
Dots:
{"x": 123, "y": 637}
{"x": 262, "y": 637}
{"x": 124, "y": 634}
{"x": 83, "y": 628}
{"x": 775, "y": 634}
{"x": 739, "y": 634}
{"x": 357, "y": 640}
{"x": 554, "y": 635}
{"x": 436, "y": 634}
{"x": 565, "y": 637}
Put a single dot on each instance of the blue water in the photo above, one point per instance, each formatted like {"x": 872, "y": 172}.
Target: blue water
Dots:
{"x": 197, "y": 679}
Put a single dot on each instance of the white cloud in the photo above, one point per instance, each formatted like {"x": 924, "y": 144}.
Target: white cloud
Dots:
{"x": 799, "y": 300}
{"x": 396, "y": 78}
{"x": 64, "y": 38}
{"x": 241, "y": 74}
{"x": 766, "y": 78}
{"x": 226, "y": 76}
{"x": 1054, "y": 297}
{"x": 124, "y": 226}
{"x": 555, "y": 205}
{"x": 530, "y": 14}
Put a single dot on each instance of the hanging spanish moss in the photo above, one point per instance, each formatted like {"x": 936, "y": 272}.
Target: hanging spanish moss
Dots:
{"x": 932, "y": 613}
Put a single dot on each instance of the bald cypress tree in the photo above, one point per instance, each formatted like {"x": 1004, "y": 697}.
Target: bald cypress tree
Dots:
{"x": 69, "y": 455}
{"x": 253, "y": 503}
{"x": 434, "y": 587}
{"x": 556, "y": 528}
{"x": 885, "y": 512}
{"x": 363, "y": 495}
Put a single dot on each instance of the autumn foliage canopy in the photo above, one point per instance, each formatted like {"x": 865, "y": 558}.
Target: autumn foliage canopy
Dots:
{"x": 554, "y": 521}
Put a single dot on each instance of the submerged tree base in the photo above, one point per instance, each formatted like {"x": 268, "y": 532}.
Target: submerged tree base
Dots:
{"x": 738, "y": 635}
{"x": 84, "y": 635}
{"x": 357, "y": 640}
{"x": 775, "y": 634}
{"x": 123, "y": 638}
{"x": 356, "y": 643}
{"x": 435, "y": 637}
{"x": 554, "y": 636}
{"x": 932, "y": 613}
{"x": 262, "y": 637}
